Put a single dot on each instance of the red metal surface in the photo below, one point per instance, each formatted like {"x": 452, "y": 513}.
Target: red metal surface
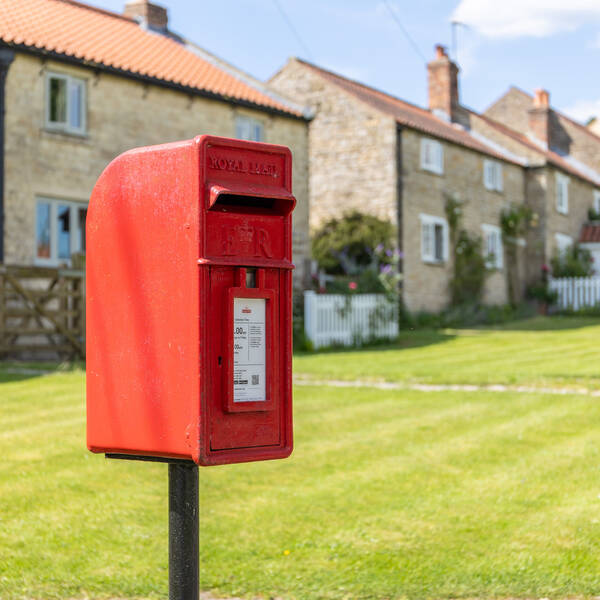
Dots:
{"x": 171, "y": 230}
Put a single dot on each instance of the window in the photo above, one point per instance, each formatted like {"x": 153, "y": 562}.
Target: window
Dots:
{"x": 247, "y": 128}
{"x": 65, "y": 103}
{"x": 492, "y": 246}
{"x": 596, "y": 206}
{"x": 562, "y": 194}
{"x": 434, "y": 239}
{"x": 492, "y": 175}
{"x": 432, "y": 156}
{"x": 563, "y": 242}
{"x": 59, "y": 230}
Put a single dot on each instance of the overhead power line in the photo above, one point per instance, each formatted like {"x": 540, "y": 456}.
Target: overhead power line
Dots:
{"x": 403, "y": 29}
{"x": 293, "y": 29}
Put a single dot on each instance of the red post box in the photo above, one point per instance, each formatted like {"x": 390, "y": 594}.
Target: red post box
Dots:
{"x": 189, "y": 283}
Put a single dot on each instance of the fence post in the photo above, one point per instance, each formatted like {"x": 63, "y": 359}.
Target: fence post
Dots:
{"x": 310, "y": 316}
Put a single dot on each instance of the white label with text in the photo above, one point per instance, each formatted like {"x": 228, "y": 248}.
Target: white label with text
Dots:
{"x": 249, "y": 349}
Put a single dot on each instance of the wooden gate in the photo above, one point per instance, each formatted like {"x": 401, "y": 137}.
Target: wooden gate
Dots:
{"x": 42, "y": 312}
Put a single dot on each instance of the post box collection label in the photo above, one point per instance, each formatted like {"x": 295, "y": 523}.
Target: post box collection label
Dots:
{"x": 249, "y": 349}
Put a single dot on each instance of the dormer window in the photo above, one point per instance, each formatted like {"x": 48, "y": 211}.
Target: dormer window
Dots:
{"x": 432, "y": 156}
{"x": 65, "y": 103}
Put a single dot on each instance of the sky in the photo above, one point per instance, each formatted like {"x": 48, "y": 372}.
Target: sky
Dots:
{"x": 550, "y": 44}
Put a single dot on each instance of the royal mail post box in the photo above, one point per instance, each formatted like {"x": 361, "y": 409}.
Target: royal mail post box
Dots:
{"x": 189, "y": 282}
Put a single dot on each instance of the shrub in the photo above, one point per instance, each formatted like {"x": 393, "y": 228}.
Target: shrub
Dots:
{"x": 573, "y": 261}
{"x": 346, "y": 246}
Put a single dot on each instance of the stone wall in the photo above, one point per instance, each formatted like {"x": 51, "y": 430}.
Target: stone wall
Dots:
{"x": 121, "y": 114}
{"x": 511, "y": 110}
{"x": 352, "y": 148}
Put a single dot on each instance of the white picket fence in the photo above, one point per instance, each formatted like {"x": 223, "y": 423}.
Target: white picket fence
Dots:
{"x": 331, "y": 319}
{"x": 576, "y": 292}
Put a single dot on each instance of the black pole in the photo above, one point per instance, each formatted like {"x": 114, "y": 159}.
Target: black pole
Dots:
{"x": 183, "y": 532}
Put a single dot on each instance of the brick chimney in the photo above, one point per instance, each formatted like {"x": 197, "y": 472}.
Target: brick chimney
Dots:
{"x": 539, "y": 117}
{"x": 147, "y": 14}
{"x": 443, "y": 83}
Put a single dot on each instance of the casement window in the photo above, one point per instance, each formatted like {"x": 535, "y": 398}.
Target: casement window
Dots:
{"x": 563, "y": 242}
{"x": 59, "y": 230}
{"x": 434, "y": 239}
{"x": 65, "y": 103}
{"x": 432, "y": 156}
{"x": 247, "y": 128}
{"x": 492, "y": 175}
{"x": 492, "y": 246}
{"x": 562, "y": 194}
{"x": 596, "y": 205}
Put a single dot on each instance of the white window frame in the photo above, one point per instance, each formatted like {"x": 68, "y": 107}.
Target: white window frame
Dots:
{"x": 596, "y": 202}
{"x": 492, "y": 236}
{"x": 249, "y": 128}
{"x": 563, "y": 241}
{"x": 428, "y": 255}
{"x": 432, "y": 156}
{"x": 75, "y": 234}
{"x": 492, "y": 175}
{"x": 562, "y": 194}
{"x": 66, "y": 126}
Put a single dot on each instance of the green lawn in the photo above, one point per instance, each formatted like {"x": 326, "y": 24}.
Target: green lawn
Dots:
{"x": 389, "y": 494}
{"x": 558, "y": 352}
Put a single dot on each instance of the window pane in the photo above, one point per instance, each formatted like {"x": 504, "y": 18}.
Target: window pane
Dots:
{"x": 81, "y": 216}
{"x": 58, "y": 100}
{"x": 75, "y": 104}
{"x": 439, "y": 242}
{"x": 63, "y": 231}
{"x": 42, "y": 235}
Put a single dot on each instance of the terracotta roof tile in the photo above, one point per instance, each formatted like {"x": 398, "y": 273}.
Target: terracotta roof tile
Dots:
{"x": 409, "y": 114}
{"x": 590, "y": 233}
{"x": 90, "y": 34}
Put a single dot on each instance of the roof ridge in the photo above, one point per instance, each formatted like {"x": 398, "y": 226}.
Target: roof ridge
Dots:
{"x": 363, "y": 85}
{"x": 549, "y": 155}
{"x": 109, "y": 13}
{"x": 555, "y": 110}
{"x": 244, "y": 76}
{"x": 508, "y": 130}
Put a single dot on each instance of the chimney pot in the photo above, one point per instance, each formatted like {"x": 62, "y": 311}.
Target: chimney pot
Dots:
{"x": 440, "y": 52}
{"x": 146, "y": 13}
{"x": 541, "y": 99}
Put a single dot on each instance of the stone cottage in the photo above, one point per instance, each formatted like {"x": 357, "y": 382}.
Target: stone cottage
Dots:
{"x": 79, "y": 85}
{"x": 376, "y": 153}
{"x": 562, "y": 168}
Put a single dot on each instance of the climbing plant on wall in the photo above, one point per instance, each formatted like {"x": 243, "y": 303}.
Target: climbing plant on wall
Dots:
{"x": 469, "y": 270}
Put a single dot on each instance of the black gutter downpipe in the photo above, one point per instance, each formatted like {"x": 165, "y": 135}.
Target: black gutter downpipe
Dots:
{"x": 6, "y": 57}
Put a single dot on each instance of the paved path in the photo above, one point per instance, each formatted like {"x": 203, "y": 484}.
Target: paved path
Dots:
{"x": 451, "y": 387}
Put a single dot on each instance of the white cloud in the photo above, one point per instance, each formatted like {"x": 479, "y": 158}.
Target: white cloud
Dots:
{"x": 532, "y": 18}
{"x": 582, "y": 110}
